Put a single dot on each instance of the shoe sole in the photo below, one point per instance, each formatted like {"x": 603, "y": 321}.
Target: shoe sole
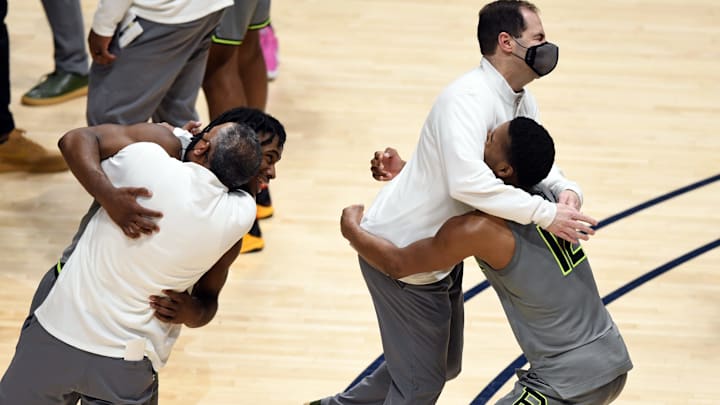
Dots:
{"x": 7, "y": 167}
{"x": 25, "y": 100}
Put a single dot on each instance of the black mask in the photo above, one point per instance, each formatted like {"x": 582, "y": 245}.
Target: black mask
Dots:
{"x": 541, "y": 58}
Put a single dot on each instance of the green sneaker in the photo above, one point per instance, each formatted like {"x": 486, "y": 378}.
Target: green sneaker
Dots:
{"x": 57, "y": 87}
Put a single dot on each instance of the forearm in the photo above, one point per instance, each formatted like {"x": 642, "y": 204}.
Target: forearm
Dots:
{"x": 487, "y": 194}
{"x": 81, "y": 151}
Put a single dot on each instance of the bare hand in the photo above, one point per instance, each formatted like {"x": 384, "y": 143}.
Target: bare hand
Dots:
{"x": 569, "y": 197}
{"x": 386, "y": 165}
{"x": 133, "y": 218}
{"x": 571, "y": 225}
{"x": 100, "y": 48}
{"x": 175, "y": 307}
{"x": 194, "y": 127}
{"x": 350, "y": 218}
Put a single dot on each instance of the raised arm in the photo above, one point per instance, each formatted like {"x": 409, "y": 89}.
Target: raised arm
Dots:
{"x": 385, "y": 165}
{"x": 199, "y": 308}
{"x": 84, "y": 148}
{"x": 472, "y": 234}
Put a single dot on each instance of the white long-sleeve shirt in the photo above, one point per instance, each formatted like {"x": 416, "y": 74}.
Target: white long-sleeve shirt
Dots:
{"x": 109, "y": 13}
{"x": 447, "y": 176}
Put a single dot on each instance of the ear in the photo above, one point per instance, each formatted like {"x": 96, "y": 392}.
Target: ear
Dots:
{"x": 200, "y": 148}
{"x": 504, "y": 171}
{"x": 505, "y": 42}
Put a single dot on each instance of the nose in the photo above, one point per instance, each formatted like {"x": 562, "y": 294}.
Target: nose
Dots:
{"x": 270, "y": 172}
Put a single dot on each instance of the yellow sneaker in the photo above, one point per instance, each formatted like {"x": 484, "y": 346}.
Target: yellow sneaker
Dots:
{"x": 264, "y": 211}
{"x": 19, "y": 153}
{"x": 251, "y": 243}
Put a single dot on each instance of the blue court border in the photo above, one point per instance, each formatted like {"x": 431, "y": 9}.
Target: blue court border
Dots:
{"x": 508, "y": 372}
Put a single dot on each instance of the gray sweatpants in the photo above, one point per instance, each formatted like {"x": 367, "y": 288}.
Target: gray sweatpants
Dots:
{"x": 46, "y": 371}
{"x": 422, "y": 335}
{"x": 66, "y": 22}
{"x": 158, "y": 75}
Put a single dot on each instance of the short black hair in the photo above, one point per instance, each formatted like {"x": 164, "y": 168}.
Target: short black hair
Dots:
{"x": 501, "y": 16}
{"x": 531, "y": 152}
{"x": 236, "y": 156}
{"x": 260, "y": 122}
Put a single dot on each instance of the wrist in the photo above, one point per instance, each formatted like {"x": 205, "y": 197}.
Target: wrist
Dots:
{"x": 103, "y": 193}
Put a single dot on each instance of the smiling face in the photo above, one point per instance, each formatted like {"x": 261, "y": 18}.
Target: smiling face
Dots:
{"x": 271, "y": 154}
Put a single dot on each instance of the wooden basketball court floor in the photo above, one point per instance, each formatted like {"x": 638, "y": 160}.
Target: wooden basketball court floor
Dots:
{"x": 633, "y": 107}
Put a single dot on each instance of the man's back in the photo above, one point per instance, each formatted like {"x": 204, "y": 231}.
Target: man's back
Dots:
{"x": 100, "y": 303}
{"x": 551, "y": 300}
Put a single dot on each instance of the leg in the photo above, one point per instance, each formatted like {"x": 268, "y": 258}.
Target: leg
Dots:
{"x": 251, "y": 61}
{"x": 178, "y": 105}
{"x": 252, "y": 70}
{"x": 223, "y": 89}
{"x": 42, "y": 370}
{"x": 457, "y": 324}
{"x": 415, "y": 326}
{"x": 66, "y": 22}
{"x": 602, "y": 395}
{"x": 522, "y": 395}
{"x": 233, "y": 61}
{"x": 116, "y": 381}
{"x": 6, "y": 119}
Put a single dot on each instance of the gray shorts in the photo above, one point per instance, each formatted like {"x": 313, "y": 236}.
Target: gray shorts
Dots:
{"x": 46, "y": 370}
{"x": 238, "y": 19}
{"x": 530, "y": 390}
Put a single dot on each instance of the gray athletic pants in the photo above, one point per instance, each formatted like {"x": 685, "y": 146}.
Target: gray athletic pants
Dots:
{"x": 66, "y": 22}
{"x": 531, "y": 390}
{"x": 46, "y": 371}
{"x": 422, "y": 335}
{"x": 157, "y": 75}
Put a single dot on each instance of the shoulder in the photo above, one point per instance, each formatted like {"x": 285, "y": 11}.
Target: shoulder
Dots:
{"x": 243, "y": 203}
{"x": 469, "y": 97}
{"x": 143, "y": 149}
{"x": 478, "y": 224}
{"x": 158, "y": 134}
{"x": 241, "y": 211}
{"x": 489, "y": 238}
